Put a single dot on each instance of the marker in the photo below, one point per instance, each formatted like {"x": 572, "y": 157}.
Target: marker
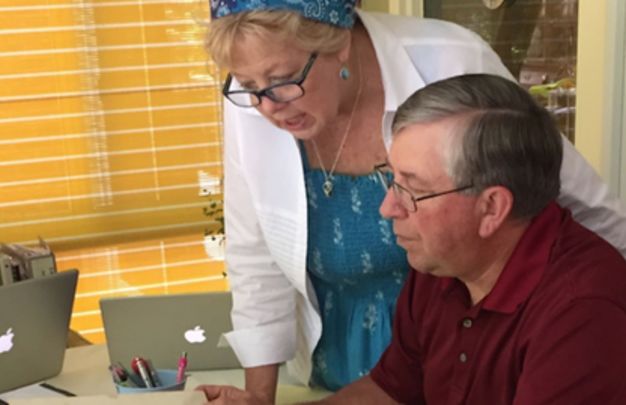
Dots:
{"x": 153, "y": 373}
{"x": 139, "y": 366}
{"x": 182, "y": 365}
{"x": 130, "y": 378}
{"x": 121, "y": 376}
{"x": 116, "y": 374}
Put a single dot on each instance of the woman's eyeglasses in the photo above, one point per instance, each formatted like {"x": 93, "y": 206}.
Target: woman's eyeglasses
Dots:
{"x": 403, "y": 195}
{"x": 279, "y": 92}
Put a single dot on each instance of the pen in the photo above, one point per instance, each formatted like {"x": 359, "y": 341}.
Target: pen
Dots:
{"x": 182, "y": 365}
{"x": 57, "y": 389}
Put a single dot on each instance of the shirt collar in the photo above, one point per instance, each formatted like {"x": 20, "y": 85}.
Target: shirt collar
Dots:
{"x": 399, "y": 76}
{"x": 527, "y": 263}
{"x": 525, "y": 266}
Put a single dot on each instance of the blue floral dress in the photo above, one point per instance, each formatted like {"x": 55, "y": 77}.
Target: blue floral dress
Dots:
{"x": 357, "y": 271}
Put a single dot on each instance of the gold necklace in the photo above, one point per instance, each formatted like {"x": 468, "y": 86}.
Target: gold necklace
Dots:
{"x": 328, "y": 185}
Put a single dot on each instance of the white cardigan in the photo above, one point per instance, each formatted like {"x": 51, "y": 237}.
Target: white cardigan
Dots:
{"x": 274, "y": 313}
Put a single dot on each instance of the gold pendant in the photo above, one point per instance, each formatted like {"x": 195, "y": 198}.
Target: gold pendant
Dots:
{"x": 328, "y": 188}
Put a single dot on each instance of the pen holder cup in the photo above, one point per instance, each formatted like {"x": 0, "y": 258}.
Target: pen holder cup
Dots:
{"x": 168, "y": 383}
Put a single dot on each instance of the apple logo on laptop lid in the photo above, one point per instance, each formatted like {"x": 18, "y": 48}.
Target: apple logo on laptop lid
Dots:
{"x": 195, "y": 335}
{"x": 6, "y": 341}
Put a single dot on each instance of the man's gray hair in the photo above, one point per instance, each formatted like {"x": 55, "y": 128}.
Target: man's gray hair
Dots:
{"x": 504, "y": 137}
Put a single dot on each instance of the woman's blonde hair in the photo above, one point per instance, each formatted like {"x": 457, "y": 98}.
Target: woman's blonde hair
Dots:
{"x": 309, "y": 35}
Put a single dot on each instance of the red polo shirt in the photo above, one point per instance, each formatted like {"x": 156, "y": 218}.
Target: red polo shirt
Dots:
{"x": 552, "y": 330}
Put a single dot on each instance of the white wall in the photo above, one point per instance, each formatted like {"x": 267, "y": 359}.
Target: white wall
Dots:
{"x": 601, "y": 89}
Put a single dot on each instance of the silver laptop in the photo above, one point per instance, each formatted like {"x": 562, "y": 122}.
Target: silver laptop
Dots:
{"x": 161, "y": 327}
{"x": 34, "y": 320}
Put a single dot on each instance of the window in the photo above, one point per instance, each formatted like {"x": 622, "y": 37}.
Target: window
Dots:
{"x": 110, "y": 144}
{"x": 536, "y": 39}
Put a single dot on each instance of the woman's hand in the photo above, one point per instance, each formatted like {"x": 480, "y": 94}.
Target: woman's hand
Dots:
{"x": 229, "y": 395}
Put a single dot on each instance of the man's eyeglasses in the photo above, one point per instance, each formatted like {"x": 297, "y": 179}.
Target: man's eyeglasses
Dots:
{"x": 279, "y": 92}
{"x": 404, "y": 196}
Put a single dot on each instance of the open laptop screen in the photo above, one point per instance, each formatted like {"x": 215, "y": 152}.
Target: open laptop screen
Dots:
{"x": 161, "y": 327}
{"x": 34, "y": 321}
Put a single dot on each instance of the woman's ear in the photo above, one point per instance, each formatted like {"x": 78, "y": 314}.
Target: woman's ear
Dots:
{"x": 344, "y": 53}
{"x": 494, "y": 205}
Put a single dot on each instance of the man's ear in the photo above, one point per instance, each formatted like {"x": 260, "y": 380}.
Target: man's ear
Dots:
{"x": 494, "y": 205}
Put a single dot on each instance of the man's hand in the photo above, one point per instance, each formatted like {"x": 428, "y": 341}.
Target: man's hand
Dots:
{"x": 229, "y": 395}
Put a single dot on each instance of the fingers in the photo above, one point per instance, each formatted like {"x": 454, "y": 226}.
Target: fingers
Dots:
{"x": 226, "y": 394}
{"x": 213, "y": 392}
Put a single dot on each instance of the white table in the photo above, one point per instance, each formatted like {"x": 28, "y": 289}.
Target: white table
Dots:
{"x": 85, "y": 374}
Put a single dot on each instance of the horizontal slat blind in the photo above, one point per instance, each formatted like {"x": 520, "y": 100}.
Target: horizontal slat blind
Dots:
{"x": 162, "y": 266}
{"x": 109, "y": 115}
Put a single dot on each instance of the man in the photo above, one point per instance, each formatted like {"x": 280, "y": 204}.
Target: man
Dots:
{"x": 512, "y": 301}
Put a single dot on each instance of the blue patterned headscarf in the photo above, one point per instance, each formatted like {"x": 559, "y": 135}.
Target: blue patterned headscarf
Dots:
{"x": 339, "y": 13}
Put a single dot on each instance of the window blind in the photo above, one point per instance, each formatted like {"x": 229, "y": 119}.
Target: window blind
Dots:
{"x": 110, "y": 143}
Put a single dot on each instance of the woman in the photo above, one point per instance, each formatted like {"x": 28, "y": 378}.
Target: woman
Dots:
{"x": 313, "y": 269}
